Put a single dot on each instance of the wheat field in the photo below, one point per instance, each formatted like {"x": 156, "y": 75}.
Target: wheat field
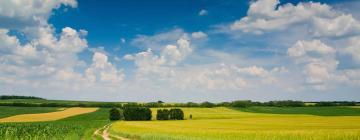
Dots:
{"x": 51, "y": 116}
{"x": 229, "y": 124}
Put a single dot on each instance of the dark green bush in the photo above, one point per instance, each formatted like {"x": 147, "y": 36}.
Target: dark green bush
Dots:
{"x": 163, "y": 114}
{"x": 137, "y": 113}
{"x": 176, "y": 114}
{"x": 116, "y": 114}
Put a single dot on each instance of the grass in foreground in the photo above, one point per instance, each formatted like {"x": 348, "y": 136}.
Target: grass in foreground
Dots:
{"x": 229, "y": 124}
{"x": 76, "y": 127}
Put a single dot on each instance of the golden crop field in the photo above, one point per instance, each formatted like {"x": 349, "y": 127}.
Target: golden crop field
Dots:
{"x": 51, "y": 116}
{"x": 228, "y": 124}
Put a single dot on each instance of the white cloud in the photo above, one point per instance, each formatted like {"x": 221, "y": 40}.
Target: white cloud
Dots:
{"x": 158, "y": 41}
{"x": 101, "y": 70}
{"x": 302, "y": 48}
{"x": 19, "y": 14}
{"x": 320, "y": 19}
{"x": 203, "y": 12}
{"x": 353, "y": 48}
{"x": 129, "y": 57}
{"x": 318, "y": 61}
{"x": 150, "y": 65}
{"x": 199, "y": 35}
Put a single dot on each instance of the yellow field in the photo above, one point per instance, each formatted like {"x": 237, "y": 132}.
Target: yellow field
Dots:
{"x": 52, "y": 116}
{"x": 228, "y": 124}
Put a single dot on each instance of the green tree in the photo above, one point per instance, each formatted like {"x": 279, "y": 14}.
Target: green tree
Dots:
{"x": 176, "y": 114}
{"x": 116, "y": 114}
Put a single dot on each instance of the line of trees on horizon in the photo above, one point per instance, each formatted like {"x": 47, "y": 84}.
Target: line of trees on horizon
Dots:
{"x": 7, "y": 97}
{"x": 160, "y": 104}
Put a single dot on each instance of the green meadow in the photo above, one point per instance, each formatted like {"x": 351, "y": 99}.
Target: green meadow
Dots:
{"x": 253, "y": 123}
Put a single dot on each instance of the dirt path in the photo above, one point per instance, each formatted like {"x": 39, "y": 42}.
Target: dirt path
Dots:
{"x": 104, "y": 133}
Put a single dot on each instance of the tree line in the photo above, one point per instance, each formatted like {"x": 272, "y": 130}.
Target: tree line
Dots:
{"x": 4, "y": 101}
{"x": 144, "y": 114}
{"x": 6, "y": 97}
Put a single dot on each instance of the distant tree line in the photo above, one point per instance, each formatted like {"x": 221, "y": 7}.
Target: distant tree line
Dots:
{"x": 341, "y": 103}
{"x": 6, "y": 97}
{"x": 161, "y": 104}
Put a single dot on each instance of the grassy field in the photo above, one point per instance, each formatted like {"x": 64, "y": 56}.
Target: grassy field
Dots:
{"x": 6, "y": 111}
{"x": 76, "y": 127}
{"x": 249, "y": 124}
{"x": 50, "y": 116}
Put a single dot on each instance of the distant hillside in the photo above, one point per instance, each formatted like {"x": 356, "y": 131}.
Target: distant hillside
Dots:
{"x": 5, "y": 97}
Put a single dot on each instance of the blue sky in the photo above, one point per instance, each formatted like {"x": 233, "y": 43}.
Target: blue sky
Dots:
{"x": 181, "y": 50}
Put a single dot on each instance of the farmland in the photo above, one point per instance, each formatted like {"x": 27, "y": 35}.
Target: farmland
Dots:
{"x": 76, "y": 127}
{"x": 10, "y": 111}
{"x": 214, "y": 123}
{"x": 51, "y": 116}
{"x": 225, "y": 123}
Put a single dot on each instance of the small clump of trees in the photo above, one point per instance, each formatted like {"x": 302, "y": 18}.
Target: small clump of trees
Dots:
{"x": 162, "y": 114}
{"x": 172, "y": 114}
{"x": 116, "y": 114}
{"x": 137, "y": 114}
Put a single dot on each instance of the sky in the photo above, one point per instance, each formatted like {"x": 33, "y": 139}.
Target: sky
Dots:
{"x": 181, "y": 50}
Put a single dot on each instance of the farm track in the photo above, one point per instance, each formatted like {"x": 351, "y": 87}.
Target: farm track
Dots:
{"x": 105, "y": 135}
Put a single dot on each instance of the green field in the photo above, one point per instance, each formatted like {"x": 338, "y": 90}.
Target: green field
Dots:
{"x": 250, "y": 124}
{"x": 76, "y": 127}
{"x": 6, "y": 111}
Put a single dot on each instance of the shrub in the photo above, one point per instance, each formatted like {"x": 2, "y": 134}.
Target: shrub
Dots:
{"x": 116, "y": 114}
{"x": 176, "y": 114}
{"x": 162, "y": 114}
{"x": 137, "y": 113}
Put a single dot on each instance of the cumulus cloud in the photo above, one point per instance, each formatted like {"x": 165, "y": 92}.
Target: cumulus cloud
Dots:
{"x": 318, "y": 61}
{"x": 150, "y": 64}
{"x": 320, "y": 19}
{"x": 20, "y": 14}
{"x": 103, "y": 71}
